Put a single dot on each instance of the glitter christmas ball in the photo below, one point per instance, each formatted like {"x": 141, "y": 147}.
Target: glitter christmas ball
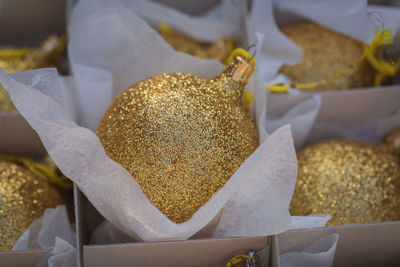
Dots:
{"x": 352, "y": 181}
{"x": 325, "y": 53}
{"x": 23, "y": 198}
{"x": 181, "y": 136}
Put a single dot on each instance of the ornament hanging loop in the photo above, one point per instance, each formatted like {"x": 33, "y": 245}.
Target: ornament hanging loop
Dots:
{"x": 255, "y": 50}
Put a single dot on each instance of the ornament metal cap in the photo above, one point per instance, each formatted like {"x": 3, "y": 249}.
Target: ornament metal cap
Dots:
{"x": 241, "y": 66}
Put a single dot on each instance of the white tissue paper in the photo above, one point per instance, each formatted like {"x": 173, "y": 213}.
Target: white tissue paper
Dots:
{"x": 321, "y": 253}
{"x": 63, "y": 254}
{"x": 111, "y": 48}
{"x": 52, "y": 231}
{"x": 42, "y": 233}
{"x": 310, "y": 114}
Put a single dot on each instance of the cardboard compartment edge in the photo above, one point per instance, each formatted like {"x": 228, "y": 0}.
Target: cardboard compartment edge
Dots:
{"x": 376, "y": 244}
{"x": 205, "y": 252}
{"x": 21, "y": 258}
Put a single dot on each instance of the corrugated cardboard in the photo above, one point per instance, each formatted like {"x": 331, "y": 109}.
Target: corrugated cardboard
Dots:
{"x": 359, "y": 245}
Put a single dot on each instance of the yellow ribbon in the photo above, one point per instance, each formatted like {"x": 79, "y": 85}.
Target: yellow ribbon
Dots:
{"x": 7, "y": 53}
{"x": 248, "y": 98}
{"x": 383, "y": 68}
{"x": 40, "y": 170}
{"x": 240, "y": 259}
{"x": 164, "y": 27}
{"x": 242, "y": 52}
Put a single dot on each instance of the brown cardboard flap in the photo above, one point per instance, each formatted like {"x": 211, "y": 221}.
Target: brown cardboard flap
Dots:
{"x": 359, "y": 245}
{"x": 344, "y": 107}
{"x": 26, "y": 22}
{"x": 18, "y": 138}
{"x": 21, "y": 258}
{"x": 206, "y": 252}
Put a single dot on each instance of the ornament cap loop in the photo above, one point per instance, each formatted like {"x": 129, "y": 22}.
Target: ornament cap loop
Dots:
{"x": 240, "y": 69}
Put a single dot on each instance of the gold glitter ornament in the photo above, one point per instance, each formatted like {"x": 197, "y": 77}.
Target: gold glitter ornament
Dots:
{"x": 181, "y": 136}
{"x": 354, "y": 182}
{"x": 22, "y": 59}
{"x": 218, "y": 50}
{"x": 325, "y": 54}
{"x": 23, "y": 198}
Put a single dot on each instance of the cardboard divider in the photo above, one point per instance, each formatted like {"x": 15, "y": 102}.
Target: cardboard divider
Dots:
{"x": 78, "y": 196}
{"x": 24, "y": 258}
{"x": 341, "y": 106}
{"x": 17, "y": 137}
{"x": 206, "y": 252}
{"x": 376, "y": 244}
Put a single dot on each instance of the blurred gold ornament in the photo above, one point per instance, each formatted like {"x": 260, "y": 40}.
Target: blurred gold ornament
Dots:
{"x": 218, "y": 50}
{"x": 24, "y": 196}
{"x": 354, "y": 182}
{"x": 337, "y": 60}
{"x": 22, "y": 59}
{"x": 182, "y": 136}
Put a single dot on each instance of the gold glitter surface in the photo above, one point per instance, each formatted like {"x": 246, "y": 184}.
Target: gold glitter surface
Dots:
{"x": 23, "y": 198}
{"x": 16, "y": 60}
{"x": 325, "y": 53}
{"x": 181, "y": 136}
{"x": 352, "y": 181}
{"x": 218, "y": 50}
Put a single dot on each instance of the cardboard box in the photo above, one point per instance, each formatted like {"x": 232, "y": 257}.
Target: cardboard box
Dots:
{"x": 344, "y": 108}
{"x": 364, "y": 245}
{"x": 88, "y": 227}
{"x": 26, "y": 23}
{"x": 359, "y": 245}
{"x": 199, "y": 252}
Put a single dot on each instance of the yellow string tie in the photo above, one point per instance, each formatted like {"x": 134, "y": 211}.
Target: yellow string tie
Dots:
{"x": 6, "y": 53}
{"x": 240, "y": 259}
{"x": 248, "y": 98}
{"x": 230, "y": 47}
{"x": 164, "y": 27}
{"x": 39, "y": 170}
{"x": 243, "y": 53}
{"x": 383, "y": 68}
